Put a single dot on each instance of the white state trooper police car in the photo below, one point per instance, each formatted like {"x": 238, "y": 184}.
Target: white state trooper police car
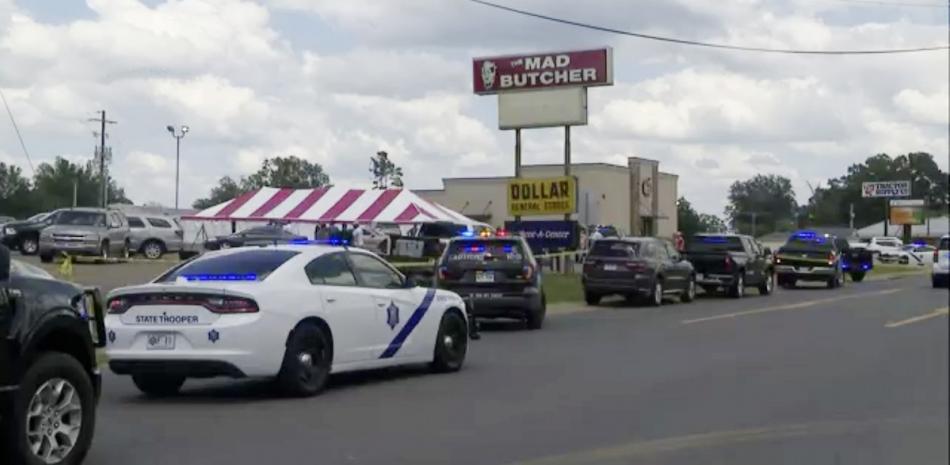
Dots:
{"x": 292, "y": 312}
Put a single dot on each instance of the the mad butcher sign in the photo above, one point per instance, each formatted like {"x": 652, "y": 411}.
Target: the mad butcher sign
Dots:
{"x": 582, "y": 68}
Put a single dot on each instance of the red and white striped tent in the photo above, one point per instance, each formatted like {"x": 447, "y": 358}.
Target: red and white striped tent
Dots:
{"x": 305, "y": 207}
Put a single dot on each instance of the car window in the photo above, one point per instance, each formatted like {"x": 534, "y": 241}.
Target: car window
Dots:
{"x": 135, "y": 222}
{"x": 944, "y": 243}
{"x": 158, "y": 223}
{"x": 619, "y": 249}
{"x": 704, "y": 243}
{"x": 484, "y": 250}
{"x": 671, "y": 251}
{"x": 331, "y": 269}
{"x": 245, "y": 265}
{"x": 81, "y": 218}
{"x": 374, "y": 273}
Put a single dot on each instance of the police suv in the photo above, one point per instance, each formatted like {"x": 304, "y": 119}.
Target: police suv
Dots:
{"x": 295, "y": 313}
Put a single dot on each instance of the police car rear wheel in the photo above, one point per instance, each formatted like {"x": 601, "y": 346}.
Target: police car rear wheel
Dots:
{"x": 53, "y": 414}
{"x": 307, "y": 360}
{"x": 158, "y": 385}
{"x": 451, "y": 343}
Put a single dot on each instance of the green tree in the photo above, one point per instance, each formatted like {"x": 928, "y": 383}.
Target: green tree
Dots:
{"x": 385, "y": 172}
{"x": 766, "y": 200}
{"x": 830, "y": 205}
{"x": 691, "y": 222}
{"x": 53, "y": 186}
{"x": 290, "y": 172}
{"x": 15, "y": 192}
{"x": 226, "y": 189}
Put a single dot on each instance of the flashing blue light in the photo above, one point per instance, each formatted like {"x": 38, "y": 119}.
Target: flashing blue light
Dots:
{"x": 221, "y": 277}
{"x": 920, "y": 243}
{"x": 805, "y": 235}
{"x": 714, "y": 240}
{"x": 468, "y": 233}
{"x": 320, "y": 242}
{"x": 865, "y": 266}
{"x": 508, "y": 248}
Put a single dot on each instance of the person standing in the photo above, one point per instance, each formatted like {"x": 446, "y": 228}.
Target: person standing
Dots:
{"x": 357, "y": 235}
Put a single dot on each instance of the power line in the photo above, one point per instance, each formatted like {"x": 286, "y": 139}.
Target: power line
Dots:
{"x": 706, "y": 44}
{"x": 17, "y": 130}
{"x": 886, "y": 3}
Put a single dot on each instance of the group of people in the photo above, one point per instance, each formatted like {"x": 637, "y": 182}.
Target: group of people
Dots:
{"x": 352, "y": 235}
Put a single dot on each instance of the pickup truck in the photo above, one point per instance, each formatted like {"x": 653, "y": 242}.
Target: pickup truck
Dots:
{"x": 812, "y": 256}
{"x": 49, "y": 380}
{"x": 731, "y": 262}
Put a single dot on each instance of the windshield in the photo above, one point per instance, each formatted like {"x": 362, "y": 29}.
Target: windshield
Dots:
{"x": 245, "y": 265}
{"x": 485, "y": 250}
{"x": 81, "y": 218}
{"x": 944, "y": 244}
{"x": 714, "y": 244}
{"x": 618, "y": 249}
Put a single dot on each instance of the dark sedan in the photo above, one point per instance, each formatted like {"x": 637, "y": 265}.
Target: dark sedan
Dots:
{"x": 261, "y": 235}
{"x": 637, "y": 267}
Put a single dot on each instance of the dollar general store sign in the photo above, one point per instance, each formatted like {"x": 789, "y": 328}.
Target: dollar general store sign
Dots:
{"x": 542, "y": 196}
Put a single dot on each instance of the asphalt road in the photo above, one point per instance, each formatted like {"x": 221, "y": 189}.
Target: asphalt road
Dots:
{"x": 811, "y": 376}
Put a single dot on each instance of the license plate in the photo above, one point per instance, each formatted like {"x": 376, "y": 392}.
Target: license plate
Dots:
{"x": 803, "y": 269}
{"x": 160, "y": 341}
{"x": 610, "y": 267}
{"x": 484, "y": 277}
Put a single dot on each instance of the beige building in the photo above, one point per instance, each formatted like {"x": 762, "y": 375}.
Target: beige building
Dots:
{"x": 637, "y": 199}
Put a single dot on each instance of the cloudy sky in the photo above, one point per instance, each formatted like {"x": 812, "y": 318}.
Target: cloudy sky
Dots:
{"x": 334, "y": 81}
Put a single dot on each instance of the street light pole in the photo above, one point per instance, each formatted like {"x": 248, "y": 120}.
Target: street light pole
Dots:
{"x": 178, "y": 136}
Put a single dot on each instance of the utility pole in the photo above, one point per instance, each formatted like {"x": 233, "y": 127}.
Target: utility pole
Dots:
{"x": 851, "y": 216}
{"x": 103, "y": 179}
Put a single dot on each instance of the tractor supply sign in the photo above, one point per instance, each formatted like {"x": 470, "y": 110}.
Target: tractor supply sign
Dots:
{"x": 581, "y": 68}
{"x": 885, "y": 189}
{"x": 542, "y": 196}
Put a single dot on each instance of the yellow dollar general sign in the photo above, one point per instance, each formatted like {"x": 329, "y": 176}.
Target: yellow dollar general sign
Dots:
{"x": 542, "y": 196}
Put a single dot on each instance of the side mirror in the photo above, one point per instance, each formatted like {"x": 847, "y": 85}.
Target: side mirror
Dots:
{"x": 4, "y": 264}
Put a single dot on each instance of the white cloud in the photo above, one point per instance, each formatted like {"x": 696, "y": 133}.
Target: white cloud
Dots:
{"x": 395, "y": 76}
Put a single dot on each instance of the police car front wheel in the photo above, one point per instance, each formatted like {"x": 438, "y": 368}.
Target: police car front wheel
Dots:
{"x": 451, "y": 343}
{"x": 307, "y": 361}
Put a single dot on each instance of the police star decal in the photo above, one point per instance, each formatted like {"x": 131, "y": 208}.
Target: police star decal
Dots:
{"x": 392, "y": 315}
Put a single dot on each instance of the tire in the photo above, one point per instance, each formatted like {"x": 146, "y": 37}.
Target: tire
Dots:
{"x": 535, "y": 319}
{"x": 591, "y": 298}
{"x": 126, "y": 252}
{"x": 307, "y": 360}
{"x": 157, "y": 384}
{"x": 104, "y": 250}
{"x": 656, "y": 297}
{"x": 152, "y": 249}
{"x": 766, "y": 287}
{"x": 689, "y": 294}
{"x": 51, "y": 371}
{"x": 29, "y": 245}
{"x": 451, "y": 344}
{"x": 737, "y": 291}
{"x": 857, "y": 276}
{"x": 46, "y": 258}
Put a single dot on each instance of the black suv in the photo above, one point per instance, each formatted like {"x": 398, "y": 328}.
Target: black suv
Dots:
{"x": 499, "y": 276}
{"x": 25, "y": 235}
{"x": 49, "y": 380}
{"x": 731, "y": 262}
{"x": 637, "y": 267}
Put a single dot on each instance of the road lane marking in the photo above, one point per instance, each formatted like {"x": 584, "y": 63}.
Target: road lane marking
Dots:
{"x": 794, "y": 306}
{"x": 658, "y": 448}
{"x": 933, "y": 314}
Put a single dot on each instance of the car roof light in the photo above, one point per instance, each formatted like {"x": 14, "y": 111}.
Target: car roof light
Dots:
{"x": 221, "y": 277}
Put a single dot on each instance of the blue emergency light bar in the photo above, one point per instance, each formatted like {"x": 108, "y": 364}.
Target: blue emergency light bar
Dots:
{"x": 221, "y": 277}
{"x": 320, "y": 242}
{"x": 714, "y": 239}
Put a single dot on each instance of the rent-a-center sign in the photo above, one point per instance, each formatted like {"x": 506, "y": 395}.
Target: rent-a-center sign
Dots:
{"x": 582, "y": 68}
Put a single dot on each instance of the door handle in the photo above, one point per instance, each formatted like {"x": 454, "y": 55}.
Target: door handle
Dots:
{"x": 330, "y": 300}
{"x": 380, "y": 304}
